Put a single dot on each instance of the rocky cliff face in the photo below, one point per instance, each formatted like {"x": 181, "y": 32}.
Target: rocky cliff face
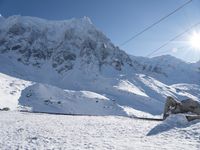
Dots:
{"x": 62, "y": 43}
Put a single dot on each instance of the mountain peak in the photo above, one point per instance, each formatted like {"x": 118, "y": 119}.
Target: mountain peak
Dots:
{"x": 62, "y": 43}
{"x": 87, "y": 19}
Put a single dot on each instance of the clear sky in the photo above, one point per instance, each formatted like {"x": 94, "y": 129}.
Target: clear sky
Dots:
{"x": 121, "y": 19}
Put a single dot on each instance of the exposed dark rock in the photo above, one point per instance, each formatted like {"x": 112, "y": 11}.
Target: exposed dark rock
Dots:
{"x": 16, "y": 29}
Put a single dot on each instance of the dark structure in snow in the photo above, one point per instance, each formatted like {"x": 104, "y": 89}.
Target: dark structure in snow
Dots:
{"x": 172, "y": 106}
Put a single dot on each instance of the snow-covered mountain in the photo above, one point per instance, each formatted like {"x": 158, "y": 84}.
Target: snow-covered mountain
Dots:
{"x": 169, "y": 69}
{"x": 60, "y": 43}
{"x": 72, "y": 67}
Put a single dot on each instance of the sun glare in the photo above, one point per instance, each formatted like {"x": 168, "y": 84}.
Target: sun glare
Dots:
{"x": 194, "y": 40}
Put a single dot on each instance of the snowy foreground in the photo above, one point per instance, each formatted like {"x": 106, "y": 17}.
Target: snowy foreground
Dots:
{"x": 43, "y": 131}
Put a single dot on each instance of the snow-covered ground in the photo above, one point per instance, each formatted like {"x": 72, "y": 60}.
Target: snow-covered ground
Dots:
{"x": 42, "y": 131}
{"x": 139, "y": 95}
{"x": 10, "y": 90}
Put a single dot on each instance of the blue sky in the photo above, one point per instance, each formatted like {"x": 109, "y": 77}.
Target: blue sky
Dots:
{"x": 121, "y": 19}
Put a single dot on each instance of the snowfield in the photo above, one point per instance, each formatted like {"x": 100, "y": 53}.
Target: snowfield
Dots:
{"x": 10, "y": 91}
{"x": 42, "y": 131}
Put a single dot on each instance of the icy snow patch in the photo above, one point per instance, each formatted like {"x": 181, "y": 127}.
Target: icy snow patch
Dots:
{"x": 125, "y": 85}
{"x": 173, "y": 121}
{"x": 91, "y": 95}
{"x": 137, "y": 113}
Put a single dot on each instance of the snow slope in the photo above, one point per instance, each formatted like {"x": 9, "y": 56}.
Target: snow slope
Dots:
{"x": 134, "y": 97}
{"x": 10, "y": 91}
{"x": 46, "y": 98}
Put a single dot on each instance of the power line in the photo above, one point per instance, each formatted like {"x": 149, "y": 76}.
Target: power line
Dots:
{"x": 174, "y": 38}
{"x": 167, "y": 51}
{"x": 155, "y": 23}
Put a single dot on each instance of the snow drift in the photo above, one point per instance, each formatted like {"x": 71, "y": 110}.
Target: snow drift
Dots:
{"x": 45, "y": 98}
{"x": 173, "y": 121}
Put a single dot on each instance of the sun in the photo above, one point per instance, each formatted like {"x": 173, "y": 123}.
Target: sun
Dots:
{"x": 194, "y": 40}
